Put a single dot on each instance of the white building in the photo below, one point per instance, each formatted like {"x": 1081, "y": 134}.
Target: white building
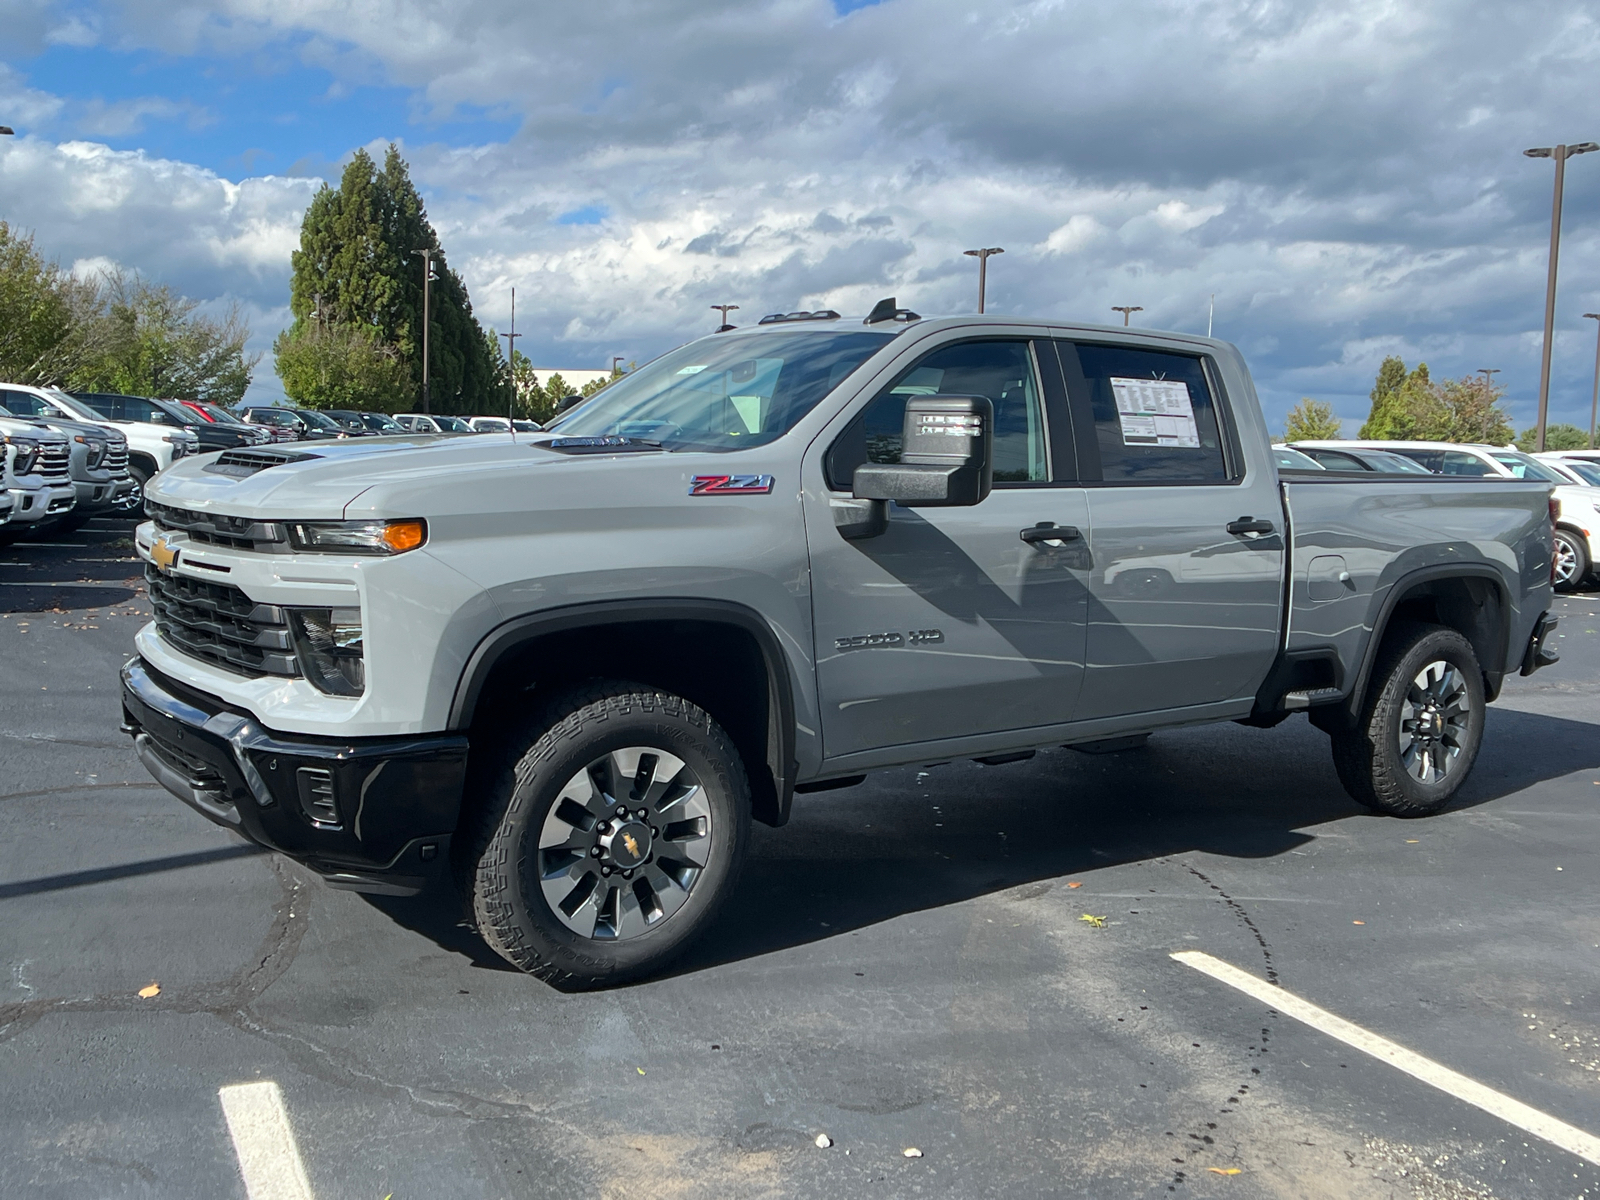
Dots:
{"x": 576, "y": 378}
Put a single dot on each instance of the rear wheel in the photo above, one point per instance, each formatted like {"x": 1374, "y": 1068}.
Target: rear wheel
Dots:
{"x": 610, "y": 837}
{"x": 1421, "y": 725}
{"x": 1572, "y": 560}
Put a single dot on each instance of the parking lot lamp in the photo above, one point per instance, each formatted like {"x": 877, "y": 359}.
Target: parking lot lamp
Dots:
{"x": 724, "y": 309}
{"x": 983, "y": 268}
{"x": 7, "y": 131}
{"x": 427, "y": 278}
{"x": 1560, "y": 154}
{"x": 1127, "y": 310}
{"x": 1594, "y": 401}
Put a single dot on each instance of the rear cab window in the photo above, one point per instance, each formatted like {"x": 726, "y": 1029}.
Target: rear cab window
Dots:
{"x": 1150, "y": 416}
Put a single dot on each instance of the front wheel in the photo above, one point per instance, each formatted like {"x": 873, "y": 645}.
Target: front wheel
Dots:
{"x": 1420, "y": 728}
{"x": 610, "y": 837}
{"x": 132, "y": 504}
{"x": 1572, "y": 560}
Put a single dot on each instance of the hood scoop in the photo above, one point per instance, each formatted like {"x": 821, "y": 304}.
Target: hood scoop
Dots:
{"x": 240, "y": 464}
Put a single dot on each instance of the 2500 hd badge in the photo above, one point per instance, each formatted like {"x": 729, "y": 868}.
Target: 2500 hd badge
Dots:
{"x": 863, "y": 641}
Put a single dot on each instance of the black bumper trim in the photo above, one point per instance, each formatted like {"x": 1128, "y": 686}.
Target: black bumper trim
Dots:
{"x": 1538, "y": 654}
{"x": 399, "y": 797}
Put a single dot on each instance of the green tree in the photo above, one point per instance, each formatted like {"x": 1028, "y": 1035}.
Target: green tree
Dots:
{"x": 357, "y": 265}
{"x": 1556, "y": 437}
{"x": 1473, "y": 411}
{"x": 1312, "y": 421}
{"x": 152, "y": 342}
{"x": 50, "y": 322}
{"x": 1404, "y": 406}
{"x": 341, "y": 366}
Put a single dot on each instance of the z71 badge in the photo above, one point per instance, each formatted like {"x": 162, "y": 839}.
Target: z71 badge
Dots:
{"x": 730, "y": 485}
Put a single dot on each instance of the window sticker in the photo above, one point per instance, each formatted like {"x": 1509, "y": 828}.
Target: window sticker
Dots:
{"x": 1156, "y": 412}
{"x": 693, "y": 370}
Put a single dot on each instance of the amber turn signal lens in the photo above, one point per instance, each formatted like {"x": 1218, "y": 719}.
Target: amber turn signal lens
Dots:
{"x": 404, "y": 535}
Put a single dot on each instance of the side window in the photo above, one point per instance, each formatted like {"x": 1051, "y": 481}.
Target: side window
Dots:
{"x": 135, "y": 409}
{"x": 1155, "y": 420}
{"x": 1457, "y": 462}
{"x": 1337, "y": 460}
{"x": 23, "y": 404}
{"x": 1001, "y": 370}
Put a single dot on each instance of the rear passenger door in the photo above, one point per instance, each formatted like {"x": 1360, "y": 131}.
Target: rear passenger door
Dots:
{"x": 1185, "y": 598}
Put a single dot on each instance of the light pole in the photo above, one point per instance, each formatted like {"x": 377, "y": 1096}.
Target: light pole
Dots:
{"x": 616, "y": 358}
{"x": 1560, "y": 154}
{"x": 7, "y": 131}
{"x": 427, "y": 278}
{"x": 1127, "y": 310}
{"x": 724, "y": 309}
{"x": 511, "y": 358}
{"x": 1488, "y": 373}
{"x": 1594, "y": 403}
{"x": 983, "y": 268}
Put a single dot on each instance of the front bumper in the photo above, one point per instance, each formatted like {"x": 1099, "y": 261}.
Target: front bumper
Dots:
{"x": 369, "y": 814}
{"x": 35, "y": 504}
{"x": 98, "y": 494}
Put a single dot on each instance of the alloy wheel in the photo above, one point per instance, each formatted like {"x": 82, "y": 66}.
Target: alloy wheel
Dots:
{"x": 1566, "y": 562}
{"x": 1434, "y": 722}
{"x": 624, "y": 843}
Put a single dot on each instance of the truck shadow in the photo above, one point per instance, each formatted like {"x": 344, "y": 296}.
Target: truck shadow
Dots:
{"x": 909, "y": 841}
{"x": 856, "y": 858}
{"x": 93, "y": 567}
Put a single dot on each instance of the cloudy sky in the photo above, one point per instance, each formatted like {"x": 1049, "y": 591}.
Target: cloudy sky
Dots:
{"x": 1347, "y": 179}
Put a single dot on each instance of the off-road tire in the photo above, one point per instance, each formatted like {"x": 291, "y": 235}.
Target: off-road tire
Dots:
{"x": 1571, "y": 544}
{"x": 498, "y": 871}
{"x": 1369, "y": 757}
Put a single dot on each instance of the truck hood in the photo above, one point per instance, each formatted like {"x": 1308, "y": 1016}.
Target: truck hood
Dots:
{"x": 319, "y": 480}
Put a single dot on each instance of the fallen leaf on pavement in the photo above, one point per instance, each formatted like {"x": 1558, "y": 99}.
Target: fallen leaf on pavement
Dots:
{"x": 911, "y": 1152}
{"x": 640, "y": 1070}
{"x": 1358, "y": 922}
{"x": 1097, "y": 922}
{"x": 1075, "y": 883}
{"x": 823, "y": 1141}
{"x": 153, "y": 990}
{"x": 1223, "y": 1170}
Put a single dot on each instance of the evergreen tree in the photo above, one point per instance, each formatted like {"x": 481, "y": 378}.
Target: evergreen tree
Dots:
{"x": 1556, "y": 437}
{"x": 1405, "y": 406}
{"x": 357, "y": 265}
{"x": 1312, "y": 421}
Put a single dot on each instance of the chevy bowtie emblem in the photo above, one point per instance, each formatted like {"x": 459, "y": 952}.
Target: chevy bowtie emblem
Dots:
{"x": 632, "y": 844}
{"x": 163, "y": 554}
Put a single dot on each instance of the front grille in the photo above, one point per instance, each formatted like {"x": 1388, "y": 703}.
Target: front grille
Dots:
{"x": 116, "y": 459}
{"x": 218, "y": 624}
{"x": 242, "y": 463}
{"x": 54, "y": 462}
{"x": 216, "y": 529}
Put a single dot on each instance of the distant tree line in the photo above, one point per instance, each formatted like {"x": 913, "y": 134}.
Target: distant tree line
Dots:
{"x": 1409, "y": 405}
{"x": 113, "y": 332}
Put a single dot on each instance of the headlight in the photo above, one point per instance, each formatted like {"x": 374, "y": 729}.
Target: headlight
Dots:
{"x": 27, "y": 456}
{"x": 95, "y": 451}
{"x": 328, "y": 645}
{"x": 360, "y": 537}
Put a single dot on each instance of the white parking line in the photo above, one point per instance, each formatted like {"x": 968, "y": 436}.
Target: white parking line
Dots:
{"x": 1513, "y": 1112}
{"x": 268, "y": 1158}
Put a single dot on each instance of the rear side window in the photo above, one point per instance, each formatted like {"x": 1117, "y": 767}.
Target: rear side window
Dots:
{"x": 1454, "y": 462}
{"x": 25, "y": 404}
{"x": 1000, "y": 370}
{"x": 1335, "y": 460}
{"x": 1155, "y": 420}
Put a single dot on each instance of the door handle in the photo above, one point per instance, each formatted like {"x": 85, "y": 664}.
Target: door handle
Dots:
{"x": 1050, "y": 533}
{"x": 1250, "y": 525}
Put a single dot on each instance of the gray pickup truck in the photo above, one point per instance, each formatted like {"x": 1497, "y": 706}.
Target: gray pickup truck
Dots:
{"x": 567, "y": 670}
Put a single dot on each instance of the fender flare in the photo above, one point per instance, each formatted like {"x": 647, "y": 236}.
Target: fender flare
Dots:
{"x": 772, "y": 797}
{"x": 1398, "y": 591}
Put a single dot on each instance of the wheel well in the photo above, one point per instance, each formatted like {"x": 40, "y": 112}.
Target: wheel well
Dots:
{"x": 1473, "y": 605}
{"x": 137, "y": 458}
{"x": 719, "y": 666}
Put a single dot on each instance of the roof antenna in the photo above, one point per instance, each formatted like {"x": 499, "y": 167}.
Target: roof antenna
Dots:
{"x": 511, "y": 354}
{"x": 883, "y": 310}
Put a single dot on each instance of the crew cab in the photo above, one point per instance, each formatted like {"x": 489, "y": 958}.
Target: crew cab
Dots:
{"x": 97, "y": 456}
{"x": 37, "y": 476}
{"x": 566, "y": 670}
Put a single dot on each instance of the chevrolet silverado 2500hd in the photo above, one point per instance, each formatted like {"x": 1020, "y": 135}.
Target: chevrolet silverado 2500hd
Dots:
{"x": 568, "y": 669}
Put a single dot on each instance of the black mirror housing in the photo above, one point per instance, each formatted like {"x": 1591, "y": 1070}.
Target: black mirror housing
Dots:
{"x": 946, "y": 457}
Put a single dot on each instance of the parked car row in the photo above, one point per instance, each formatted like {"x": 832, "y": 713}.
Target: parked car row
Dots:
{"x": 1574, "y": 476}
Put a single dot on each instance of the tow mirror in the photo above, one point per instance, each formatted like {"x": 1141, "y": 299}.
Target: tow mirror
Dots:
{"x": 946, "y": 461}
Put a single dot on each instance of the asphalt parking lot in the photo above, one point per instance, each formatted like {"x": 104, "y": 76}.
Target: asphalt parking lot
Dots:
{"x": 909, "y": 965}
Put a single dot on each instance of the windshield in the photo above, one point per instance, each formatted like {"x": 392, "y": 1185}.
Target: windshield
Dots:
{"x": 725, "y": 393}
{"x": 1586, "y": 471}
{"x": 1399, "y": 464}
{"x": 1295, "y": 461}
{"x": 317, "y": 421}
{"x": 220, "y": 415}
{"x": 379, "y": 421}
{"x": 1523, "y": 467}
